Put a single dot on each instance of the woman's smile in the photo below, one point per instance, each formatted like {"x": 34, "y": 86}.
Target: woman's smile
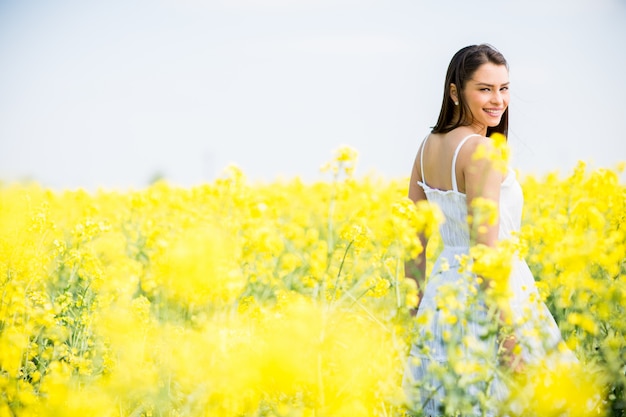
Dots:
{"x": 494, "y": 112}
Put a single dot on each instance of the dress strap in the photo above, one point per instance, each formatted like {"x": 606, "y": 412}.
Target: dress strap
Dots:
{"x": 456, "y": 153}
{"x": 422, "y": 158}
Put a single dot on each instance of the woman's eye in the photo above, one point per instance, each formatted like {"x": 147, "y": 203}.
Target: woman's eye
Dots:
{"x": 485, "y": 89}
{"x": 504, "y": 89}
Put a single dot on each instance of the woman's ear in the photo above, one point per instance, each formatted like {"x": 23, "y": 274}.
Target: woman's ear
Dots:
{"x": 454, "y": 94}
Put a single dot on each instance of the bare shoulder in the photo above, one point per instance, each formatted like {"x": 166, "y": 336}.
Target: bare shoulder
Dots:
{"x": 475, "y": 142}
{"x": 473, "y": 148}
{"x": 417, "y": 163}
{"x": 478, "y": 161}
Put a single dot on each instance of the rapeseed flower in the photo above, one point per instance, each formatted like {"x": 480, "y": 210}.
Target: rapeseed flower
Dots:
{"x": 288, "y": 298}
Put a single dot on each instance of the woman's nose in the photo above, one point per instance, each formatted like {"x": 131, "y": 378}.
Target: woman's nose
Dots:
{"x": 496, "y": 97}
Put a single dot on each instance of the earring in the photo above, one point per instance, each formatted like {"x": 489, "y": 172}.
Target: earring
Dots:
{"x": 456, "y": 103}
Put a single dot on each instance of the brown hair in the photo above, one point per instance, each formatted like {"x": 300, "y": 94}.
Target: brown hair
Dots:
{"x": 462, "y": 67}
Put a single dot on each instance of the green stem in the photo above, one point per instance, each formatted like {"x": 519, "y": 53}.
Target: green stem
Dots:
{"x": 343, "y": 260}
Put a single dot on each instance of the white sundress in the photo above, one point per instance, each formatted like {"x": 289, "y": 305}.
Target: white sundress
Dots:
{"x": 429, "y": 347}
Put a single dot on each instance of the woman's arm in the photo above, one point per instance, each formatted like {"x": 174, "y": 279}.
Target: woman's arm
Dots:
{"x": 415, "y": 269}
{"x": 483, "y": 180}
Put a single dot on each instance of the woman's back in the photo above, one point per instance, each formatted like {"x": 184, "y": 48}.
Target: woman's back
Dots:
{"x": 440, "y": 184}
{"x": 442, "y": 179}
{"x": 441, "y": 152}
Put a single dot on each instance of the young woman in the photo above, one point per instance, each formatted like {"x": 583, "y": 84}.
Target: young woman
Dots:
{"x": 446, "y": 172}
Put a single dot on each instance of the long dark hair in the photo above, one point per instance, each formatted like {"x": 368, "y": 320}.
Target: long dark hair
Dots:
{"x": 462, "y": 67}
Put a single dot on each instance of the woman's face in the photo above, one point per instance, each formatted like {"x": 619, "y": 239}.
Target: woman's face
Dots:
{"x": 486, "y": 95}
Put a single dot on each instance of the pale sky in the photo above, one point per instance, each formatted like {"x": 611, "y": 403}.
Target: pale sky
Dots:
{"x": 110, "y": 93}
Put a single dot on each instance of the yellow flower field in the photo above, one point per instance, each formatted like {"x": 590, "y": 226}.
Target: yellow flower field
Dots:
{"x": 283, "y": 299}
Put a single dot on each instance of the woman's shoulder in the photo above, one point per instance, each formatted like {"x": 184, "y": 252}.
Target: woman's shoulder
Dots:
{"x": 462, "y": 142}
{"x": 474, "y": 148}
{"x": 475, "y": 141}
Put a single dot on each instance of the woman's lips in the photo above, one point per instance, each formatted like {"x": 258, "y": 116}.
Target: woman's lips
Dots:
{"x": 493, "y": 112}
